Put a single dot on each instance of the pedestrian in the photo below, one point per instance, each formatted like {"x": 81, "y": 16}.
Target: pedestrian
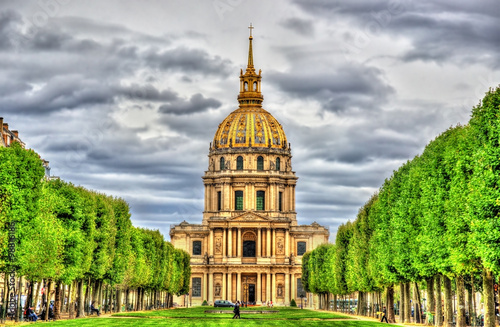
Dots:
{"x": 236, "y": 310}
{"x": 31, "y": 314}
{"x": 94, "y": 309}
{"x": 384, "y": 315}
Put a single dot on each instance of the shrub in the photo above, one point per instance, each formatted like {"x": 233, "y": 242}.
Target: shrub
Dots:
{"x": 292, "y": 303}
{"x": 204, "y": 303}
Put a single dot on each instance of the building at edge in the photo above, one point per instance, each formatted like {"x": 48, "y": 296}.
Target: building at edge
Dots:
{"x": 249, "y": 246}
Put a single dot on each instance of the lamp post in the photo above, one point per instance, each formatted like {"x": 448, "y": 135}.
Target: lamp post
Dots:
{"x": 301, "y": 298}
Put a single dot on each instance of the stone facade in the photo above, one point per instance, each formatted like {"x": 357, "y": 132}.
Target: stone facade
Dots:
{"x": 249, "y": 246}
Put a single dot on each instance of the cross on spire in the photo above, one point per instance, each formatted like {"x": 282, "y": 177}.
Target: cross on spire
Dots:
{"x": 250, "y": 28}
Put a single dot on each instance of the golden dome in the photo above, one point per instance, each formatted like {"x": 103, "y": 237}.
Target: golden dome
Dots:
{"x": 250, "y": 125}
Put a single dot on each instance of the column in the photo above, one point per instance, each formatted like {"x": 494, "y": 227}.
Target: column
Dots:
{"x": 274, "y": 243}
{"x": 292, "y": 284}
{"x": 204, "y": 287}
{"x": 188, "y": 244}
{"x": 239, "y": 244}
{"x": 268, "y": 287}
{"x": 259, "y": 242}
{"x": 210, "y": 288}
{"x": 238, "y": 288}
{"x": 287, "y": 288}
{"x": 273, "y": 289}
{"x": 268, "y": 243}
{"x": 230, "y": 242}
{"x": 229, "y": 287}
{"x": 224, "y": 286}
{"x": 224, "y": 243}
{"x": 211, "y": 243}
{"x": 287, "y": 243}
{"x": 259, "y": 288}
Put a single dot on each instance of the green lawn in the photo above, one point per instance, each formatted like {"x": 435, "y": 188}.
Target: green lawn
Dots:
{"x": 197, "y": 317}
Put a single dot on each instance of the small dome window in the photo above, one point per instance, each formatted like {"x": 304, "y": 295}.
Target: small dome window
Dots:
{"x": 239, "y": 163}
{"x": 246, "y": 86}
{"x": 255, "y": 86}
{"x": 222, "y": 164}
{"x": 260, "y": 163}
{"x": 278, "y": 164}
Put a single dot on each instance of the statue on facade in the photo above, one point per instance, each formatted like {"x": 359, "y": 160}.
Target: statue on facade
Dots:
{"x": 205, "y": 259}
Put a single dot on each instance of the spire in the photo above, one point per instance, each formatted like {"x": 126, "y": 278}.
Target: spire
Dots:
{"x": 250, "y": 94}
{"x": 250, "y": 51}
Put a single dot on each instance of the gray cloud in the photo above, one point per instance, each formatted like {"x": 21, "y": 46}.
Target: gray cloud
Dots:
{"x": 354, "y": 87}
{"x": 459, "y": 31}
{"x": 197, "y": 103}
{"x": 303, "y": 27}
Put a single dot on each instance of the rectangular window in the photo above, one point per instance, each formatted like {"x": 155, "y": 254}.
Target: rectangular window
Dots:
{"x": 261, "y": 202}
{"x": 238, "y": 200}
{"x": 196, "y": 247}
{"x": 219, "y": 201}
{"x": 301, "y": 293}
{"x": 280, "y": 201}
{"x": 301, "y": 248}
{"x": 196, "y": 287}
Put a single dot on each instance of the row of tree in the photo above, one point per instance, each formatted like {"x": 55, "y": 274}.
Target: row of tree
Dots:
{"x": 68, "y": 235}
{"x": 434, "y": 224}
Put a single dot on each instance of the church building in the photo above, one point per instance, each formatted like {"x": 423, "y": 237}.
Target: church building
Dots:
{"x": 249, "y": 245}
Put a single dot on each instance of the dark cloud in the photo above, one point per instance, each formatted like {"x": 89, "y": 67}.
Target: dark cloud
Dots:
{"x": 9, "y": 24}
{"x": 459, "y": 31}
{"x": 303, "y": 27}
{"x": 197, "y": 103}
{"x": 188, "y": 60}
{"x": 354, "y": 87}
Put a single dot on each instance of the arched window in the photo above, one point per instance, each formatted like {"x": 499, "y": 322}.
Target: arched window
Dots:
{"x": 261, "y": 202}
{"x": 260, "y": 163}
{"x": 239, "y": 163}
{"x": 255, "y": 86}
{"x": 278, "y": 164}
{"x": 246, "y": 86}
{"x": 222, "y": 164}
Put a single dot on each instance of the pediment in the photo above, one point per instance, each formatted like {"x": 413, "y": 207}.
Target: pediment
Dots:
{"x": 249, "y": 216}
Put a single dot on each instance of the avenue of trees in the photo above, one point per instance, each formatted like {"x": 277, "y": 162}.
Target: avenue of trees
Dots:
{"x": 434, "y": 225}
{"x": 81, "y": 244}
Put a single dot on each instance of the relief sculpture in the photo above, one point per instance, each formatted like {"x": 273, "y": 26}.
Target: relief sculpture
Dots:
{"x": 281, "y": 246}
{"x": 218, "y": 245}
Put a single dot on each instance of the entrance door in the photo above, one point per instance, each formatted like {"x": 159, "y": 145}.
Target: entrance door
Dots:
{"x": 251, "y": 293}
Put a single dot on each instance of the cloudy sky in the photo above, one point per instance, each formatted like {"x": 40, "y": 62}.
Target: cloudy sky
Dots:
{"x": 124, "y": 96}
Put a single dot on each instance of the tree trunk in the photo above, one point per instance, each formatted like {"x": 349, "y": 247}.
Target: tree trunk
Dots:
{"x": 110, "y": 299}
{"x": 68, "y": 303}
{"x": 431, "y": 302}
{"x": 86, "y": 306}
{"x": 80, "y": 313}
{"x": 474, "y": 307}
{"x": 334, "y": 302}
{"x": 407, "y": 302}
{"x": 118, "y": 299}
{"x": 19, "y": 293}
{"x": 47, "y": 303}
{"x": 417, "y": 308}
{"x": 438, "y": 318}
{"x": 57, "y": 301}
{"x": 402, "y": 307}
{"x": 390, "y": 304}
{"x": 461, "y": 302}
{"x": 489, "y": 306}
{"x": 448, "y": 302}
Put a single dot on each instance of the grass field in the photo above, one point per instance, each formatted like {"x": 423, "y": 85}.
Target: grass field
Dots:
{"x": 197, "y": 317}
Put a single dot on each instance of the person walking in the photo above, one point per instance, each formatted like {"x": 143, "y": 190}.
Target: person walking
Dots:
{"x": 236, "y": 310}
{"x": 384, "y": 315}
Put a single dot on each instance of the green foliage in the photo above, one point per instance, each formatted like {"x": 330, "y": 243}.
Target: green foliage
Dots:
{"x": 68, "y": 233}
{"x": 292, "y": 303}
{"x": 437, "y": 214}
